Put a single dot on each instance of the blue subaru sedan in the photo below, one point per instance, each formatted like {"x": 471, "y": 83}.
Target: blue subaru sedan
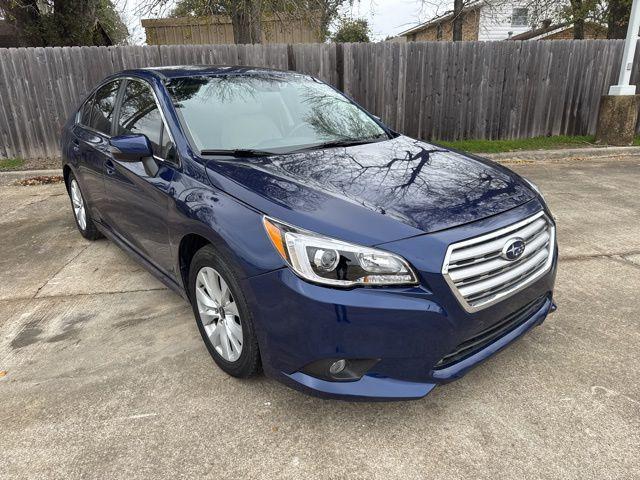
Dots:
{"x": 313, "y": 242}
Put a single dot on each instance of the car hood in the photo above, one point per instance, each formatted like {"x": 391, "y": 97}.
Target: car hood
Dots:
{"x": 380, "y": 191}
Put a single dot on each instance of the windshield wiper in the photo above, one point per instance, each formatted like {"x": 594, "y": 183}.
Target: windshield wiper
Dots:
{"x": 249, "y": 153}
{"x": 238, "y": 153}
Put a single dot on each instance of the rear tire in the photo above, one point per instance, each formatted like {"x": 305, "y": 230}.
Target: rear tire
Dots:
{"x": 81, "y": 214}
{"x": 223, "y": 315}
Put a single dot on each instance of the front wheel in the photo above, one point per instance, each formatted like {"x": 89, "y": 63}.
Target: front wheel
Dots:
{"x": 223, "y": 315}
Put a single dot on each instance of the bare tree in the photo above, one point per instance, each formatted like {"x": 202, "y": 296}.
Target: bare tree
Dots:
{"x": 247, "y": 15}
{"x": 578, "y": 23}
{"x": 612, "y": 14}
{"x": 458, "y": 19}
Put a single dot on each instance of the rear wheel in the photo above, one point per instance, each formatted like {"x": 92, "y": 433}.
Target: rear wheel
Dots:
{"x": 84, "y": 222}
{"x": 222, "y": 314}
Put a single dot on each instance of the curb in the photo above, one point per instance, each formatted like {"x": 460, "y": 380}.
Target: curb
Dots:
{"x": 8, "y": 178}
{"x": 563, "y": 154}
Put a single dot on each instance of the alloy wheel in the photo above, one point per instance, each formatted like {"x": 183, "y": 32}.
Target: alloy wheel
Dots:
{"x": 78, "y": 205}
{"x": 219, "y": 314}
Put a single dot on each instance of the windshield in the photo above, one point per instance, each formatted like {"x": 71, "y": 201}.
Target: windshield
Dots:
{"x": 270, "y": 112}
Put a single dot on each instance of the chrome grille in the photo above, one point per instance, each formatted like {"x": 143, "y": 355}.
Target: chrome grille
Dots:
{"x": 480, "y": 276}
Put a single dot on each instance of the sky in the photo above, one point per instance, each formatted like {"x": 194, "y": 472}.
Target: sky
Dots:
{"x": 390, "y": 17}
{"x": 386, "y": 17}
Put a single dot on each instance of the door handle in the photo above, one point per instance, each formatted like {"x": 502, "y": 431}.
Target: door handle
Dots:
{"x": 109, "y": 167}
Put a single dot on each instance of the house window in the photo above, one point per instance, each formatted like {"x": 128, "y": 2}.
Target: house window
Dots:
{"x": 439, "y": 31}
{"x": 520, "y": 17}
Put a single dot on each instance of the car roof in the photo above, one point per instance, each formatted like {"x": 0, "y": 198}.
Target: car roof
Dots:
{"x": 182, "y": 71}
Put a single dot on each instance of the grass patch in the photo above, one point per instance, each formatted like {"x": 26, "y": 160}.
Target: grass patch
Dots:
{"x": 536, "y": 143}
{"x": 10, "y": 163}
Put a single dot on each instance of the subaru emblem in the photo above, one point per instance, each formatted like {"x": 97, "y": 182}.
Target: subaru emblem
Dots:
{"x": 513, "y": 249}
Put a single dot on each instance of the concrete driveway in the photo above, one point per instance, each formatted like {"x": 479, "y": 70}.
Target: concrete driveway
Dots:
{"x": 107, "y": 377}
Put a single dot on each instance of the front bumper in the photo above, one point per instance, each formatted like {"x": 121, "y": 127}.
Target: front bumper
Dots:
{"x": 409, "y": 330}
{"x": 372, "y": 387}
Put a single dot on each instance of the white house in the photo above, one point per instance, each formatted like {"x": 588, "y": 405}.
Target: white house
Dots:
{"x": 483, "y": 20}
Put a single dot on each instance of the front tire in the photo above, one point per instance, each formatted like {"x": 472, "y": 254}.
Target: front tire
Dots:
{"x": 84, "y": 221}
{"x": 222, "y": 314}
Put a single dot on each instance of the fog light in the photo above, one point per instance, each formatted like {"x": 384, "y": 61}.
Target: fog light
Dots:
{"x": 339, "y": 370}
{"x": 337, "y": 367}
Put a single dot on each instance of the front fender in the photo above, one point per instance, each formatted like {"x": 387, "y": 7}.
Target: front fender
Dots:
{"x": 233, "y": 228}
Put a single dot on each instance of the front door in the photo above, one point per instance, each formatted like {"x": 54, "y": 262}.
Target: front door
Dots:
{"x": 138, "y": 200}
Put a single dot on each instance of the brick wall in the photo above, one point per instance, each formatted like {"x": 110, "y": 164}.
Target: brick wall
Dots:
{"x": 470, "y": 28}
{"x": 591, "y": 32}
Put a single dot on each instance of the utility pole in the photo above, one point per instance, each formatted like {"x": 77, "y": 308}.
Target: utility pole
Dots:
{"x": 623, "y": 87}
{"x": 619, "y": 109}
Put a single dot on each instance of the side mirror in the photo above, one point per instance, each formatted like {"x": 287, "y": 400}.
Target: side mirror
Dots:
{"x": 130, "y": 148}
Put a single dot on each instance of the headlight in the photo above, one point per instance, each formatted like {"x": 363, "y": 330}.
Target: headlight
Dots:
{"x": 328, "y": 261}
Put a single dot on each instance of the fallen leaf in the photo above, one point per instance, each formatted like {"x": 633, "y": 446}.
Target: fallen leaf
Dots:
{"x": 3, "y": 373}
{"x": 40, "y": 180}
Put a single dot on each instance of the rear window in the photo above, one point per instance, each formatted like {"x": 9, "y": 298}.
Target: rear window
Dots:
{"x": 103, "y": 107}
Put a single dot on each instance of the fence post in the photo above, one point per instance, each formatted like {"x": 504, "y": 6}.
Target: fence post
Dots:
{"x": 340, "y": 66}
{"x": 291, "y": 58}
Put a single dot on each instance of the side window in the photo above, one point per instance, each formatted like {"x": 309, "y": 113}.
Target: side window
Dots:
{"x": 139, "y": 114}
{"x": 85, "y": 112}
{"x": 103, "y": 107}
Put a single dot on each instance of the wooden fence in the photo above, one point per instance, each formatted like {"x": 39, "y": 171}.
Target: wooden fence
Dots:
{"x": 437, "y": 90}
{"x": 217, "y": 29}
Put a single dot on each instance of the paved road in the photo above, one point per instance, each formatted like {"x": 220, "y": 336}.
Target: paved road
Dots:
{"x": 107, "y": 376}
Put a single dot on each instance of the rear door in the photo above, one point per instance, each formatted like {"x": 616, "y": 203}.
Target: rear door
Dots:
{"x": 138, "y": 201}
{"x": 90, "y": 144}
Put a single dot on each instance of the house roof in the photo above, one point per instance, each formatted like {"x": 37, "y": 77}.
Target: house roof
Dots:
{"x": 548, "y": 30}
{"x": 538, "y": 32}
{"x": 441, "y": 18}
